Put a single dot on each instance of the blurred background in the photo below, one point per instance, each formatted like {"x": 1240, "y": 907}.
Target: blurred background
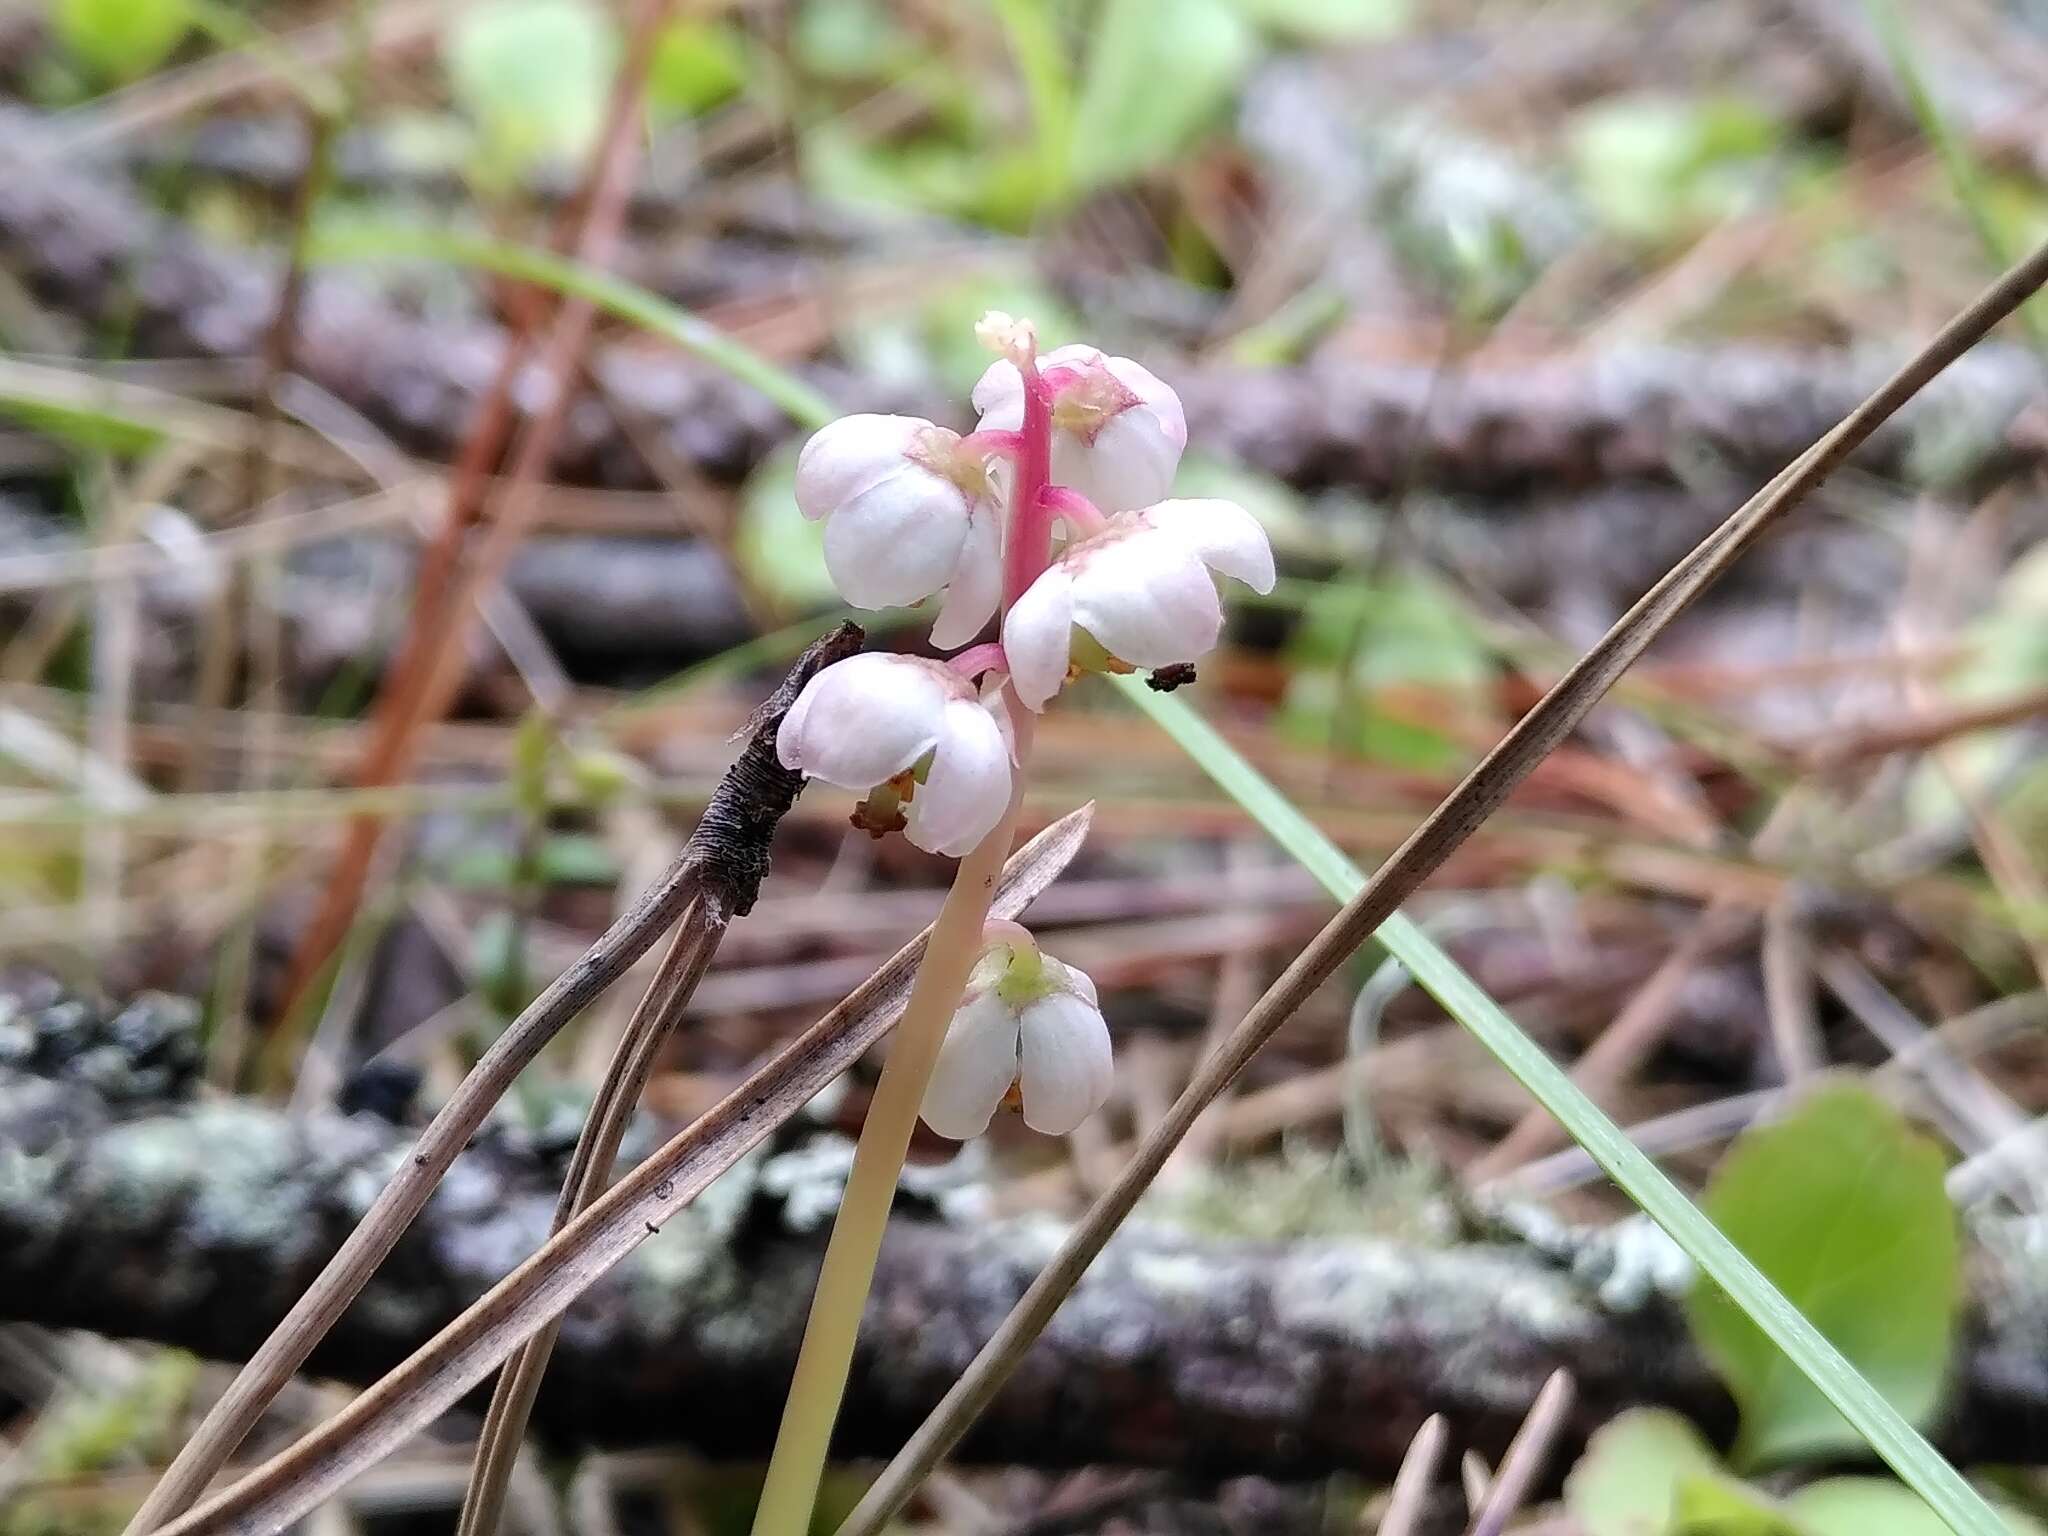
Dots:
{"x": 374, "y": 620}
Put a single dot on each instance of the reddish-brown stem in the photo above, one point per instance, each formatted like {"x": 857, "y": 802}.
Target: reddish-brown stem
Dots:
{"x": 1030, "y": 521}
{"x": 421, "y": 684}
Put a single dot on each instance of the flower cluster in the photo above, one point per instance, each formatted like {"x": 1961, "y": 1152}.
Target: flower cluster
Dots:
{"x": 1053, "y": 517}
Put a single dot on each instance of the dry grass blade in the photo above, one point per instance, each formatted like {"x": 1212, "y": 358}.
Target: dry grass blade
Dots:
{"x": 1525, "y": 1456}
{"x": 1411, "y": 1483}
{"x": 689, "y": 955}
{"x": 1553, "y": 718}
{"x": 466, "y": 1351}
{"x": 728, "y": 848}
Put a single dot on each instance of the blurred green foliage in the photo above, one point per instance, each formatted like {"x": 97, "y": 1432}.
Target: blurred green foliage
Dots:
{"x": 117, "y": 41}
{"x": 533, "y": 76}
{"x": 1842, "y": 1205}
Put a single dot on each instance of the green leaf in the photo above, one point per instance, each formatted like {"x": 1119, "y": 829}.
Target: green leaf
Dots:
{"x": 1877, "y": 1506}
{"x": 1654, "y": 165}
{"x": 1158, "y": 72}
{"x": 576, "y": 858}
{"x": 1626, "y": 1482}
{"x": 697, "y": 65}
{"x": 1715, "y": 1504}
{"x": 1371, "y": 654}
{"x": 534, "y": 75}
{"x": 120, "y": 40}
{"x": 1842, "y": 1207}
{"x": 1329, "y": 21}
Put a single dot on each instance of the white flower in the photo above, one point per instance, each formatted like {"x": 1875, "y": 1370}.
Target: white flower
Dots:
{"x": 912, "y": 734}
{"x": 1028, "y": 1021}
{"x": 1118, "y": 429}
{"x": 1140, "y": 590}
{"x": 907, "y": 513}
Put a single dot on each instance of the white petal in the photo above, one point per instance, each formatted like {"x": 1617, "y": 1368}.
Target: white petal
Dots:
{"x": 968, "y": 788}
{"x": 977, "y": 1063}
{"x": 1146, "y": 597}
{"x": 845, "y": 457}
{"x": 1074, "y": 979}
{"x": 1065, "y": 1063}
{"x": 1225, "y": 535}
{"x": 1075, "y": 354}
{"x": 897, "y": 541}
{"x": 1156, "y": 396}
{"x": 1130, "y": 464}
{"x": 1036, "y": 634}
{"x": 976, "y": 586}
{"x": 867, "y": 718}
{"x": 999, "y": 397}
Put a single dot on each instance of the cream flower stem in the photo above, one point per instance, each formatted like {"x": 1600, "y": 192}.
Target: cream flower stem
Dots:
{"x": 791, "y": 1488}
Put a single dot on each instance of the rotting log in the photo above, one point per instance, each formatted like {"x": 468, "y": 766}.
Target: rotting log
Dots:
{"x": 77, "y": 238}
{"x": 195, "y": 1223}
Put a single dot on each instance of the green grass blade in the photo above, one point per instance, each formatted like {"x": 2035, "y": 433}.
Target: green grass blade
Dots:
{"x": 1896, "y": 1441}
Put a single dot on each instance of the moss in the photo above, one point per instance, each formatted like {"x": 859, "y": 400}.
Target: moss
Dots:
{"x": 1308, "y": 1194}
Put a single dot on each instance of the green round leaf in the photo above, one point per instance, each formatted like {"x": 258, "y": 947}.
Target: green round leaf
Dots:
{"x": 1877, "y": 1506}
{"x": 697, "y": 65}
{"x": 1842, "y": 1207}
{"x": 120, "y": 40}
{"x": 1626, "y": 1483}
{"x": 534, "y": 75}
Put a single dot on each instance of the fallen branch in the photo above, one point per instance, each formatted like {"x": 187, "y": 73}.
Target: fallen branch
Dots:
{"x": 196, "y": 1224}
{"x": 85, "y": 247}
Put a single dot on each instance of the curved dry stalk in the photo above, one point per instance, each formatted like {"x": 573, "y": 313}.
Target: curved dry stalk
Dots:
{"x": 1482, "y": 791}
{"x": 1524, "y": 1457}
{"x": 1411, "y": 1482}
{"x": 689, "y": 955}
{"x": 465, "y": 1352}
{"x": 728, "y": 851}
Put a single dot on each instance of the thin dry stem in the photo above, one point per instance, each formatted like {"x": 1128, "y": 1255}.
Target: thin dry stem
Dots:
{"x": 689, "y": 955}
{"x": 790, "y": 1490}
{"x": 1411, "y": 1483}
{"x": 437, "y": 1376}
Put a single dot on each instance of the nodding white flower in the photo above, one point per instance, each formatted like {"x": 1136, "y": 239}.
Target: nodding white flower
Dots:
{"x": 907, "y": 512}
{"x": 1030, "y": 1032}
{"x": 1139, "y": 592}
{"x": 913, "y": 735}
{"x": 1118, "y": 429}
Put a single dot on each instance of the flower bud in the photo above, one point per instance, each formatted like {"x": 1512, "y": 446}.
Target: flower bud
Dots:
{"x": 1028, "y": 1028}
{"x": 1118, "y": 430}
{"x": 1138, "y": 594}
{"x": 912, "y": 735}
{"x": 907, "y": 513}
